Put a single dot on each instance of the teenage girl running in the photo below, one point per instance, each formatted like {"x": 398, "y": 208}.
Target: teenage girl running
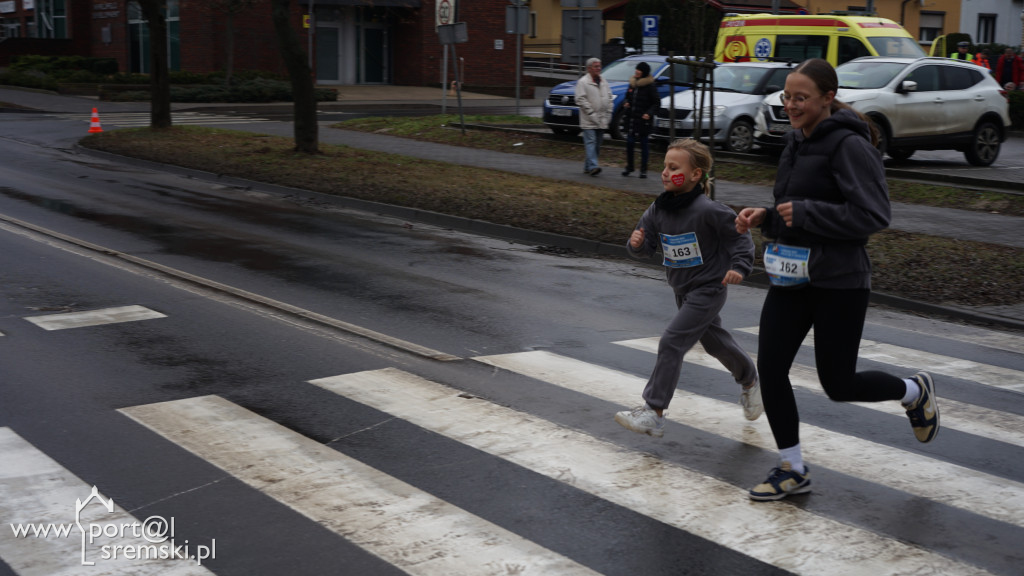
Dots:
{"x": 830, "y": 196}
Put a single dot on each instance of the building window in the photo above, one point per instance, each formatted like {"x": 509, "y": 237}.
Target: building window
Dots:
{"x": 10, "y": 28}
{"x": 51, "y": 19}
{"x": 986, "y": 29}
{"x": 533, "y": 24}
{"x": 138, "y": 33}
{"x": 931, "y": 26}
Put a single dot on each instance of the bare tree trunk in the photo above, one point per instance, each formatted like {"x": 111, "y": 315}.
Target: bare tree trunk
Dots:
{"x": 154, "y": 12}
{"x": 303, "y": 89}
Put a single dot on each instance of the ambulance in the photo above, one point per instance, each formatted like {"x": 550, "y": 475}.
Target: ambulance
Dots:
{"x": 834, "y": 37}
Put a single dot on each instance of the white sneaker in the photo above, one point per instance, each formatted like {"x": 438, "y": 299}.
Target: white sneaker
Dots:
{"x": 643, "y": 420}
{"x": 751, "y": 401}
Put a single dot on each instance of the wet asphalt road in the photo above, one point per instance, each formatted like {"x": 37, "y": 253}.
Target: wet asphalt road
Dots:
{"x": 457, "y": 293}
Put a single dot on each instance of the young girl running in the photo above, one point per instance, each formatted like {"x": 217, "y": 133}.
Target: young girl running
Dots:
{"x": 830, "y": 195}
{"x": 703, "y": 253}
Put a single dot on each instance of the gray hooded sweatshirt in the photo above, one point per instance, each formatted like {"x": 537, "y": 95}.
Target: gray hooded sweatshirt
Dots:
{"x": 719, "y": 248}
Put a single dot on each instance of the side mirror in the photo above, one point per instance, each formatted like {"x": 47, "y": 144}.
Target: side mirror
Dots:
{"x": 662, "y": 79}
{"x": 907, "y": 86}
{"x": 771, "y": 89}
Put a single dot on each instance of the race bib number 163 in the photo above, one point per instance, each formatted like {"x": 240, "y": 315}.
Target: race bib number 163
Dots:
{"x": 681, "y": 250}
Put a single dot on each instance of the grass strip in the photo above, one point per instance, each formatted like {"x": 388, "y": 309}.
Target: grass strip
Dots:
{"x": 926, "y": 268}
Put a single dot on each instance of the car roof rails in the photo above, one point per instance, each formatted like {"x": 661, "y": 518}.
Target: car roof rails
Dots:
{"x": 789, "y": 61}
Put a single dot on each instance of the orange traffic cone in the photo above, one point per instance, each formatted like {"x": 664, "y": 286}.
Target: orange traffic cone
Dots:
{"x": 94, "y": 125}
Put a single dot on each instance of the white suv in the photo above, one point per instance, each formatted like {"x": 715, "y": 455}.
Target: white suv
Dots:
{"x": 917, "y": 104}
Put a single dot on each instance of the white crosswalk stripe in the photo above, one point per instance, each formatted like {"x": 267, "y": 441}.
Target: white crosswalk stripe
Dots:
{"x": 977, "y": 420}
{"x": 35, "y": 490}
{"x": 117, "y": 315}
{"x": 407, "y": 527}
{"x": 967, "y": 489}
{"x": 639, "y": 482}
{"x": 142, "y": 119}
{"x": 995, "y": 376}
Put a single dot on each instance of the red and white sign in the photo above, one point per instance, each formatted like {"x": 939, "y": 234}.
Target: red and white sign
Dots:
{"x": 445, "y": 12}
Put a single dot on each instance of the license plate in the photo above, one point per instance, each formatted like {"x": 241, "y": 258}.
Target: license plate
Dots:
{"x": 776, "y": 127}
{"x": 561, "y": 112}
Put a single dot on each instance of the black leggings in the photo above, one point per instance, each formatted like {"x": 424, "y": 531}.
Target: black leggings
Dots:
{"x": 838, "y": 320}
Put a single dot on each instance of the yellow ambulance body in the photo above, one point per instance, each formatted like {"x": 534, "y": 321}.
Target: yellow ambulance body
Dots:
{"x": 836, "y": 38}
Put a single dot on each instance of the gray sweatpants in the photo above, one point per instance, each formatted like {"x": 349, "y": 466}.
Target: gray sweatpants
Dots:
{"x": 696, "y": 320}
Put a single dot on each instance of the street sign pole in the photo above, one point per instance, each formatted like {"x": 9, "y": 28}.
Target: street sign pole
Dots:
{"x": 451, "y": 34}
{"x": 516, "y": 23}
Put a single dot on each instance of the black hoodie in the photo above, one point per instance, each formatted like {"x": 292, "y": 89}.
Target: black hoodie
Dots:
{"x": 836, "y": 182}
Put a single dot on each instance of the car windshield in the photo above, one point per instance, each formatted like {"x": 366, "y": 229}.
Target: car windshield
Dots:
{"x": 623, "y": 70}
{"x": 739, "y": 78}
{"x": 896, "y": 47}
{"x": 863, "y": 75}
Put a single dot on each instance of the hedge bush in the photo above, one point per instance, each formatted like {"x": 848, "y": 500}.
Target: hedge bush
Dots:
{"x": 47, "y": 72}
{"x": 256, "y": 90}
{"x": 1017, "y": 109}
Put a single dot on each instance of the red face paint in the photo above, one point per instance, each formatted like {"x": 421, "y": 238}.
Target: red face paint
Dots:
{"x": 679, "y": 179}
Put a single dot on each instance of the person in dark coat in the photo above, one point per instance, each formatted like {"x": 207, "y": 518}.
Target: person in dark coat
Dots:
{"x": 1009, "y": 69}
{"x": 641, "y": 103}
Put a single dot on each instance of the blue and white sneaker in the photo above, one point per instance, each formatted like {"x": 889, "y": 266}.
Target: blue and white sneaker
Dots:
{"x": 924, "y": 412}
{"x": 643, "y": 420}
{"x": 782, "y": 482}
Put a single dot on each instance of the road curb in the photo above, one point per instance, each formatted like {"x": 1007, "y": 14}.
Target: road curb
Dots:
{"x": 544, "y": 240}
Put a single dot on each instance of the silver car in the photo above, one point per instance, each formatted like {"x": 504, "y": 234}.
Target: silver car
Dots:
{"x": 917, "y": 104}
{"x": 739, "y": 89}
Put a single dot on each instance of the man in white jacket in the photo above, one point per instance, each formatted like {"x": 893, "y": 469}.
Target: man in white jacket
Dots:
{"x": 595, "y": 100}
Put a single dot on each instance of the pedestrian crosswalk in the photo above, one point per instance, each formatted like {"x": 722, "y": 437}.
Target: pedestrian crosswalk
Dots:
{"x": 419, "y": 532}
{"x": 142, "y": 119}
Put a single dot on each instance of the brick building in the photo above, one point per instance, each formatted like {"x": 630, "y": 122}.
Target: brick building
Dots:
{"x": 353, "y": 41}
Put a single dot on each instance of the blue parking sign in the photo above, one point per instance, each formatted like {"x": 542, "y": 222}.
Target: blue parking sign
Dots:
{"x": 649, "y": 25}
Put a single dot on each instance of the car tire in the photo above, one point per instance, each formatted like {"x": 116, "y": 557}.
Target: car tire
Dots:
{"x": 740, "y": 137}
{"x": 900, "y": 154}
{"x": 617, "y": 129}
{"x": 984, "y": 147}
{"x": 565, "y": 131}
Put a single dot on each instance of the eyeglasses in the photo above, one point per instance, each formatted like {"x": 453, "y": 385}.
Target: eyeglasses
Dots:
{"x": 799, "y": 99}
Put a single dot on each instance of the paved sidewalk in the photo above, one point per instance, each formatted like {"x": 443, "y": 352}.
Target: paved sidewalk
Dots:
{"x": 945, "y": 222}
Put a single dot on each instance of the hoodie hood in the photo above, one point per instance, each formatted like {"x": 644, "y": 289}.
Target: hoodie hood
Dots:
{"x": 634, "y": 82}
{"x": 842, "y": 118}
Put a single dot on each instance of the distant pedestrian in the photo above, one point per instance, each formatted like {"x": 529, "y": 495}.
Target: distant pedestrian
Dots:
{"x": 641, "y": 103}
{"x": 830, "y": 196}
{"x": 1009, "y": 69}
{"x": 596, "y": 102}
{"x": 982, "y": 59}
{"x": 702, "y": 253}
{"x": 962, "y": 52}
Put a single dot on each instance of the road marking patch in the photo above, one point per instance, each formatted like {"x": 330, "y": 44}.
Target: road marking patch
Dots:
{"x": 94, "y": 317}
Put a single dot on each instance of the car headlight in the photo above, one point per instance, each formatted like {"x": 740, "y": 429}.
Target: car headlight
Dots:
{"x": 718, "y": 110}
